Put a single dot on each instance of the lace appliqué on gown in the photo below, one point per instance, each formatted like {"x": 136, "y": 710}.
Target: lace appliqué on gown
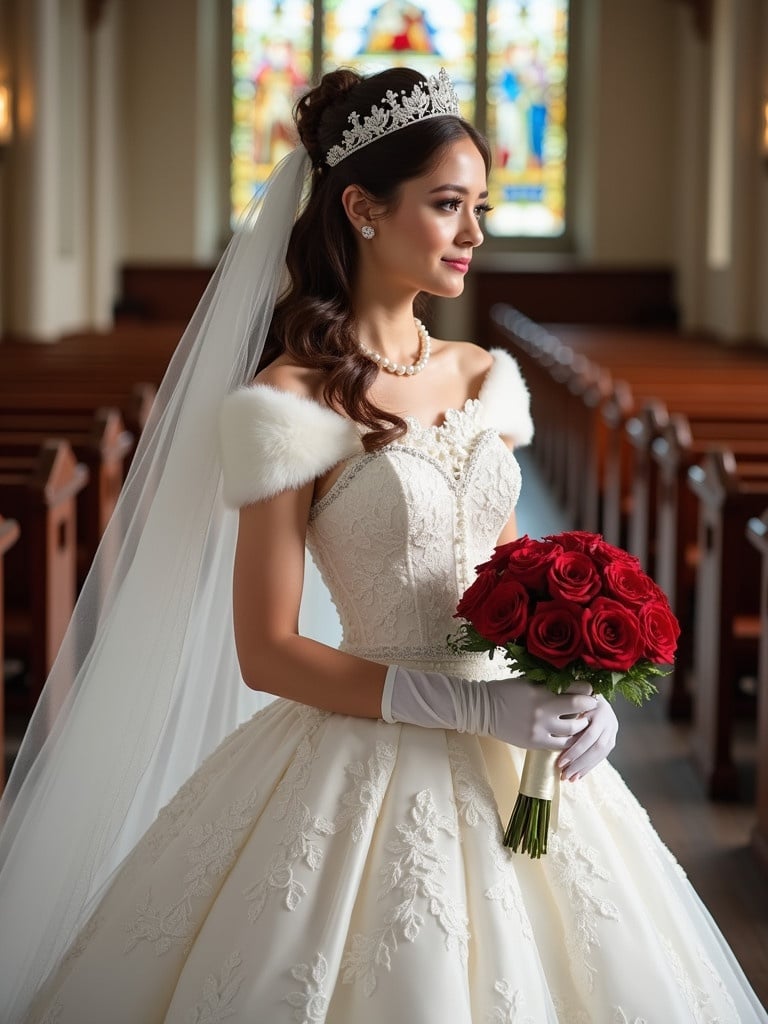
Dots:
{"x": 212, "y": 851}
{"x": 698, "y": 999}
{"x": 621, "y": 1018}
{"x": 219, "y": 994}
{"x": 512, "y": 1008}
{"x": 360, "y": 806}
{"x": 578, "y": 869}
{"x": 476, "y": 804}
{"x": 311, "y": 1003}
{"x": 415, "y": 874}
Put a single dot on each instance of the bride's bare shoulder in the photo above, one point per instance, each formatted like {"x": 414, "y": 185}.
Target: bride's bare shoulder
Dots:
{"x": 467, "y": 360}
{"x": 287, "y": 376}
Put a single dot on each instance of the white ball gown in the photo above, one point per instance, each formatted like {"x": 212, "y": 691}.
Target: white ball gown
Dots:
{"x": 319, "y": 867}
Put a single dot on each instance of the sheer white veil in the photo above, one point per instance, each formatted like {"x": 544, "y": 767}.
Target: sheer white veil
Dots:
{"x": 147, "y": 682}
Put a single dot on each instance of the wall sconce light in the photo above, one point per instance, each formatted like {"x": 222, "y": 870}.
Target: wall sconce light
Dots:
{"x": 6, "y": 119}
{"x": 764, "y": 143}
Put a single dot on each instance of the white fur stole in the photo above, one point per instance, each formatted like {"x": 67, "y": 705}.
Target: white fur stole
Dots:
{"x": 273, "y": 440}
{"x": 506, "y": 400}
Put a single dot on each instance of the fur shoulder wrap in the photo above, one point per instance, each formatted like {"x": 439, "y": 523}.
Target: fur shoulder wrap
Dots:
{"x": 273, "y": 440}
{"x": 506, "y": 400}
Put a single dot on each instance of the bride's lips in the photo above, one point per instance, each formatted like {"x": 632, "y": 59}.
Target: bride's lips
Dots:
{"x": 461, "y": 265}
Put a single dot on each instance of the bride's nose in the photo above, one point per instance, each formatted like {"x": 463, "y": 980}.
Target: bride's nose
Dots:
{"x": 469, "y": 230}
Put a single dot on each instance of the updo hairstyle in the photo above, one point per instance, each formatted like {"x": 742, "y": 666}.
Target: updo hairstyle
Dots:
{"x": 313, "y": 320}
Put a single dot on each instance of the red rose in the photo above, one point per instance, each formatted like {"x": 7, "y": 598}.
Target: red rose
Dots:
{"x": 593, "y": 544}
{"x": 573, "y": 577}
{"x": 555, "y": 633}
{"x": 500, "y": 557}
{"x": 575, "y": 540}
{"x": 475, "y": 596}
{"x": 606, "y": 554}
{"x": 503, "y": 616}
{"x": 528, "y": 563}
{"x": 630, "y": 585}
{"x": 659, "y": 630}
{"x": 612, "y": 635}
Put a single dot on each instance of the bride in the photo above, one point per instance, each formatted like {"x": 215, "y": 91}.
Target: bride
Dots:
{"x": 338, "y": 856}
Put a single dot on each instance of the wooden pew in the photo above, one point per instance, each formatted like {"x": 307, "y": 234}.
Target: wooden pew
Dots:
{"x": 100, "y": 442}
{"x": 642, "y": 429}
{"x": 714, "y": 392}
{"x": 9, "y": 534}
{"x": 618, "y": 370}
{"x": 727, "y": 602}
{"x": 681, "y": 444}
{"x": 40, "y": 493}
{"x": 133, "y": 402}
{"x": 585, "y": 451}
{"x": 678, "y": 439}
{"x": 648, "y": 366}
{"x": 757, "y": 534}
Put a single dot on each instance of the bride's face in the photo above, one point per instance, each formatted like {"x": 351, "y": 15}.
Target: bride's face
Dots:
{"x": 426, "y": 242}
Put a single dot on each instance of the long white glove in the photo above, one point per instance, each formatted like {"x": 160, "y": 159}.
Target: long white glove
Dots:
{"x": 512, "y": 710}
{"x": 593, "y": 745}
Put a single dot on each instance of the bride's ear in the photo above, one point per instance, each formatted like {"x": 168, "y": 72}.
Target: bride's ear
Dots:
{"x": 359, "y": 207}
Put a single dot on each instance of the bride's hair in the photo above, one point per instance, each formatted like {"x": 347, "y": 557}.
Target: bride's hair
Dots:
{"x": 313, "y": 320}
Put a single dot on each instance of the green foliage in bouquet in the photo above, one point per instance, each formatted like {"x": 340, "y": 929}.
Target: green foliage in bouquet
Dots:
{"x": 634, "y": 683}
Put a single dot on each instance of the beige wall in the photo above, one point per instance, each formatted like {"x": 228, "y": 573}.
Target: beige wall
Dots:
{"x": 106, "y": 174}
{"x": 733, "y": 257}
{"x": 634, "y": 127}
{"x": 174, "y": 136}
{"x": 59, "y": 241}
{"x": 761, "y": 217}
{"x": 47, "y": 288}
{"x": 6, "y": 77}
{"x": 691, "y": 157}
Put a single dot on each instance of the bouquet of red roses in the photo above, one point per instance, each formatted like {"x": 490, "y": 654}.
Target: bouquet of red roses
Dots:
{"x": 568, "y": 607}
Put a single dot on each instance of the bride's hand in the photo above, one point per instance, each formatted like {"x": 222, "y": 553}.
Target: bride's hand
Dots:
{"x": 592, "y": 745}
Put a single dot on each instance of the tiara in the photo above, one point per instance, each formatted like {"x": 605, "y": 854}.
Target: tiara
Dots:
{"x": 433, "y": 98}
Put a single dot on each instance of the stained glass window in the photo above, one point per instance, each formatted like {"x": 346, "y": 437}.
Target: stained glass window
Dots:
{"x": 271, "y": 68}
{"x": 375, "y": 34}
{"x": 527, "y": 64}
{"x": 524, "y": 56}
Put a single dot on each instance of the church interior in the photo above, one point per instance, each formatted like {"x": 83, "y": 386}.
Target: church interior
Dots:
{"x": 626, "y": 270}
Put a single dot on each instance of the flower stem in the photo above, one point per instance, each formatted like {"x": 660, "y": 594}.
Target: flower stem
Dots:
{"x": 528, "y": 826}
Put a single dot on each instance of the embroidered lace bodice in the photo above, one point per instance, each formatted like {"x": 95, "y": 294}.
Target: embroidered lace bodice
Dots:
{"x": 399, "y": 534}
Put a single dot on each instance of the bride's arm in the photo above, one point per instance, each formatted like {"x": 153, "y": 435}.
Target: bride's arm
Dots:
{"x": 509, "y": 533}
{"x": 267, "y": 586}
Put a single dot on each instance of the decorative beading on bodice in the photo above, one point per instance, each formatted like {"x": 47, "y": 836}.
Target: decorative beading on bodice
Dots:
{"x": 399, "y": 533}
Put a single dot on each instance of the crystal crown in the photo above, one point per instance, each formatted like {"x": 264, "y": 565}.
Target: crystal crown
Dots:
{"x": 432, "y": 98}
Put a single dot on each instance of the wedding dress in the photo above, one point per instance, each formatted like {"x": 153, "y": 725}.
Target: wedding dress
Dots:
{"x": 319, "y": 867}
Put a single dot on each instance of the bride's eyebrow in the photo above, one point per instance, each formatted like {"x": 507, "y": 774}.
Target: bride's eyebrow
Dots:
{"x": 457, "y": 188}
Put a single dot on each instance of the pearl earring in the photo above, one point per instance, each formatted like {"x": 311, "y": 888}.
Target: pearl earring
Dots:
{"x": 367, "y": 232}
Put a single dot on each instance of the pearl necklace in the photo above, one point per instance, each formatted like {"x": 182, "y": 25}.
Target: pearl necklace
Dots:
{"x": 425, "y": 346}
